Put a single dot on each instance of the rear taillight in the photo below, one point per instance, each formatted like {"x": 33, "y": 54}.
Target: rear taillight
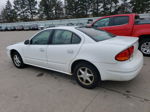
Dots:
{"x": 125, "y": 55}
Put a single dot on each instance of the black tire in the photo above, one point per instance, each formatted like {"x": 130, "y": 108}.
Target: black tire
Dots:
{"x": 95, "y": 79}
{"x": 19, "y": 63}
{"x": 144, "y": 46}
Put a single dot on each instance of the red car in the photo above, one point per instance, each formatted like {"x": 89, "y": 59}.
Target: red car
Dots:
{"x": 127, "y": 25}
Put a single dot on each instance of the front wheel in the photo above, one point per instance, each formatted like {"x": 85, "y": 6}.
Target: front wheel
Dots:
{"x": 144, "y": 46}
{"x": 17, "y": 60}
{"x": 86, "y": 75}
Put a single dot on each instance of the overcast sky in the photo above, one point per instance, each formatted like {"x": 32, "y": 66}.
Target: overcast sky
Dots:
{"x": 3, "y": 2}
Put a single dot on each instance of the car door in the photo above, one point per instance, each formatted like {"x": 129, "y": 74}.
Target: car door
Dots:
{"x": 63, "y": 49}
{"x": 36, "y": 52}
{"x": 118, "y": 25}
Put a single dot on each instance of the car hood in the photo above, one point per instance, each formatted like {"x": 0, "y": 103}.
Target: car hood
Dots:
{"x": 15, "y": 45}
{"x": 19, "y": 43}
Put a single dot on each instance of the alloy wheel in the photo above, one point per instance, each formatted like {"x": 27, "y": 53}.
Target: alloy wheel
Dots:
{"x": 17, "y": 60}
{"x": 145, "y": 48}
{"x": 85, "y": 75}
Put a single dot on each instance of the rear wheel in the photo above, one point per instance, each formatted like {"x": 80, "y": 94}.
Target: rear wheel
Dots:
{"x": 17, "y": 60}
{"x": 144, "y": 46}
{"x": 86, "y": 75}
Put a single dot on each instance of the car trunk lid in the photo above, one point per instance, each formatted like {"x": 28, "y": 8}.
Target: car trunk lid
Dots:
{"x": 123, "y": 43}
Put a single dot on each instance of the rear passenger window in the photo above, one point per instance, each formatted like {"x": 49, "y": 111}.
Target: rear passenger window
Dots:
{"x": 62, "y": 37}
{"x": 120, "y": 20}
{"x": 75, "y": 39}
{"x": 65, "y": 37}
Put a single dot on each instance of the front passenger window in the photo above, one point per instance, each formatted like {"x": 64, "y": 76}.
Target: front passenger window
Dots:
{"x": 42, "y": 38}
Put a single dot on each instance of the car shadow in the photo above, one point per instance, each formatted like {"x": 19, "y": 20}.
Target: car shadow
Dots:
{"x": 40, "y": 72}
{"x": 104, "y": 84}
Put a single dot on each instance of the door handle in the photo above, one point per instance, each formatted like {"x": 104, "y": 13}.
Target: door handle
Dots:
{"x": 42, "y": 50}
{"x": 70, "y": 51}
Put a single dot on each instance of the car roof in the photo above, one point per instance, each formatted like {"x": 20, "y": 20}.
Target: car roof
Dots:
{"x": 63, "y": 27}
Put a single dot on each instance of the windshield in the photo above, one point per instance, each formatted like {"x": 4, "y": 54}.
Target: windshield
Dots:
{"x": 96, "y": 34}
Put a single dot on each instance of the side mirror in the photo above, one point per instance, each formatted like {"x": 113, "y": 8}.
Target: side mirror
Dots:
{"x": 27, "y": 42}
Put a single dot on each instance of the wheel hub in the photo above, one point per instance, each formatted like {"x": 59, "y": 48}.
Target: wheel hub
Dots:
{"x": 17, "y": 60}
{"x": 85, "y": 76}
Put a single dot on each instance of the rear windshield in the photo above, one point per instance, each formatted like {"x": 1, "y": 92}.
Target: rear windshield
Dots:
{"x": 96, "y": 34}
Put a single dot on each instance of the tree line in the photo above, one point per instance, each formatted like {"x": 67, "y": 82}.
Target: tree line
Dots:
{"x": 30, "y": 10}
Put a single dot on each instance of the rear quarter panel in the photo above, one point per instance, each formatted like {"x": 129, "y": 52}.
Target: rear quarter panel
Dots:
{"x": 100, "y": 53}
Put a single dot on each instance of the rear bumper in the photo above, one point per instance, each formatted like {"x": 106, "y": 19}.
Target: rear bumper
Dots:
{"x": 122, "y": 71}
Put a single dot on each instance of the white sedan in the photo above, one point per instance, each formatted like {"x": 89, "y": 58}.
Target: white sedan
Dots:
{"x": 89, "y": 54}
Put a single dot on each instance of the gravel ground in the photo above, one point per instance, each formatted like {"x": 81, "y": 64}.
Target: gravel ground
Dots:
{"x": 37, "y": 90}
